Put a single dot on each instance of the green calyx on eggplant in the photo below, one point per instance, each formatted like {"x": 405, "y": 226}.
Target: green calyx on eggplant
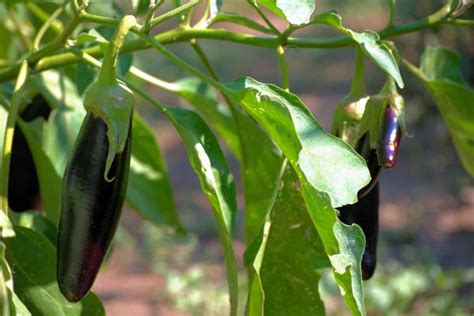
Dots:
{"x": 365, "y": 214}
{"x": 347, "y": 118}
{"x": 95, "y": 181}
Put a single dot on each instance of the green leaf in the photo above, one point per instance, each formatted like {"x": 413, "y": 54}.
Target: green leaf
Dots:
{"x": 454, "y": 99}
{"x": 290, "y": 257}
{"x": 216, "y": 180}
{"x": 329, "y": 171}
{"x": 368, "y": 41}
{"x": 37, "y": 222}
{"x": 329, "y": 164}
{"x": 378, "y": 52}
{"x": 296, "y": 12}
{"x": 204, "y": 99}
{"x": 329, "y": 18}
{"x": 49, "y": 179}
{"x": 343, "y": 244}
{"x": 33, "y": 261}
{"x": 149, "y": 188}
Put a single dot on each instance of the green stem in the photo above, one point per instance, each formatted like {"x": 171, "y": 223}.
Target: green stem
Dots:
{"x": 56, "y": 26}
{"x": 184, "y": 35}
{"x": 460, "y": 22}
{"x": 44, "y": 28}
{"x": 223, "y": 17}
{"x": 175, "y": 12}
{"x": 264, "y": 18}
{"x": 107, "y": 72}
{"x": 391, "y": 16}
{"x": 285, "y": 80}
{"x": 150, "y": 14}
{"x": 204, "y": 60}
{"x": 9, "y": 131}
{"x": 181, "y": 63}
{"x": 57, "y": 43}
{"x": 413, "y": 69}
{"x": 358, "y": 84}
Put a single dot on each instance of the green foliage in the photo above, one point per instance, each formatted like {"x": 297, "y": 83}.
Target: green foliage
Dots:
{"x": 293, "y": 172}
{"x": 443, "y": 79}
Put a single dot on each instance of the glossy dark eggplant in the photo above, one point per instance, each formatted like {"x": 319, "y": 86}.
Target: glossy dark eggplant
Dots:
{"x": 365, "y": 213}
{"x": 23, "y": 188}
{"x": 390, "y": 138}
{"x": 91, "y": 207}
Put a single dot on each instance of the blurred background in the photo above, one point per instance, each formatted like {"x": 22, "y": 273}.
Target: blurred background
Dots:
{"x": 426, "y": 241}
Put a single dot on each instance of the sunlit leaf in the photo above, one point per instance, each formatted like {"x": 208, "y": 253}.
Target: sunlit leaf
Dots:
{"x": 329, "y": 164}
{"x": 294, "y": 11}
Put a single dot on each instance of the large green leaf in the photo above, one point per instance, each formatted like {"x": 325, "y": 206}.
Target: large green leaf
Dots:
{"x": 216, "y": 180}
{"x": 289, "y": 258}
{"x": 149, "y": 188}
{"x": 454, "y": 99}
{"x": 329, "y": 164}
{"x": 329, "y": 171}
{"x": 294, "y": 11}
{"x": 33, "y": 261}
